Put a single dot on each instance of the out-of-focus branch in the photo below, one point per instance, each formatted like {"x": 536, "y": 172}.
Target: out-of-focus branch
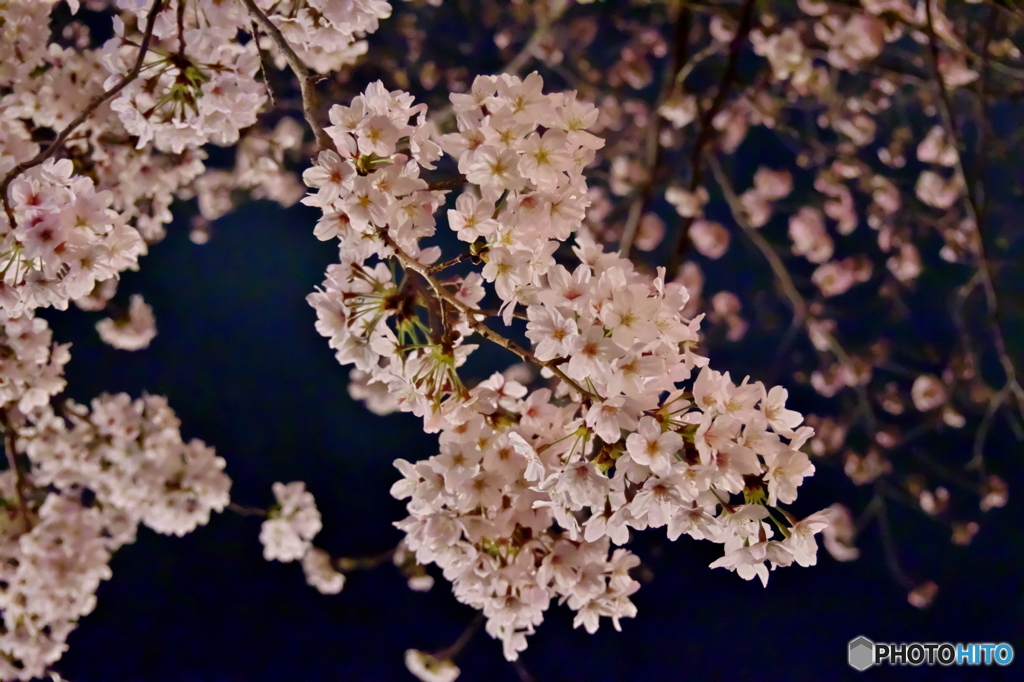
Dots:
{"x": 796, "y": 301}
{"x": 888, "y": 546}
{"x": 307, "y": 79}
{"x": 681, "y": 243}
{"x": 974, "y": 213}
{"x": 785, "y": 282}
{"x": 243, "y": 510}
{"x": 540, "y": 32}
{"x": 654, "y": 151}
{"x": 95, "y": 104}
{"x": 459, "y": 644}
{"x": 364, "y": 563}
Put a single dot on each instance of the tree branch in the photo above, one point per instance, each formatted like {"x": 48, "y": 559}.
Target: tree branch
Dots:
{"x": 307, "y": 79}
{"x": 474, "y": 316}
{"x": 62, "y": 136}
{"x": 655, "y": 152}
{"x": 973, "y": 213}
{"x": 682, "y": 240}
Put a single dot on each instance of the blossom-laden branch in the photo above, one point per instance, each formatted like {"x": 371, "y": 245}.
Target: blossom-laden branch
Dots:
{"x": 626, "y": 446}
{"x": 474, "y": 317}
{"x": 62, "y": 136}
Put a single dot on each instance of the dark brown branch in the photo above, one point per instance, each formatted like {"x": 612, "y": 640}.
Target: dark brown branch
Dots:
{"x": 452, "y": 651}
{"x": 706, "y": 132}
{"x": 972, "y": 208}
{"x": 307, "y": 79}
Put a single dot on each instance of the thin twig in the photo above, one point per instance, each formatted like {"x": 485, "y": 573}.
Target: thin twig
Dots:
{"x": 458, "y": 645}
{"x": 888, "y": 548}
{"x": 474, "y": 316}
{"x": 796, "y": 301}
{"x": 95, "y": 104}
{"x": 364, "y": 563}
{"x": 461, "y": 258}
{"x": 243, "y": 510}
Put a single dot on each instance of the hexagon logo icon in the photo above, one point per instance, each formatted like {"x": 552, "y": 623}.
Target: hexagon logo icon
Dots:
{"x": 861, "y": 653}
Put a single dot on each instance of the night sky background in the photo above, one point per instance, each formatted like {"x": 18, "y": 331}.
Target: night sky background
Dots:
{"x": 241, "y": 363}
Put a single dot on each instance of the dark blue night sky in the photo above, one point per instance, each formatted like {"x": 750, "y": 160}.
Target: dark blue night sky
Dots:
{"x": 241, "y": 363}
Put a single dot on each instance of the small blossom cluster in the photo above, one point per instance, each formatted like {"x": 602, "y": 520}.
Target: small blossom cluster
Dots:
{"x": 31, "y": 365}
{"x": 325, "y": 34}
{"x": 530, "y": 191}
{"x": 66, "y": 239}
{"x": 288, "y": 532}
{"x": 532, "y": 489}
{"x": 206, "y": 94}
{"x": 197, "y": 85}
{"x": 102, "y": 470}
{"x": 134, "y": 331}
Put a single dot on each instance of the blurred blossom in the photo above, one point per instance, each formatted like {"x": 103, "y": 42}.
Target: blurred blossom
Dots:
{"x": 807, "y": 230}
{"x": 928, "y": 392}
{"x": 710, "y": 239}
{"x": 426, "y": 668}
{"x": 134, "y": 331}
{"x": 935, "y": 191}
{"x": 936, "y": 148}
{"x": 923, "y": 595}
{"x": 650, "y": 231}
{"x": 996, "y": 493}
{"x": 838, "y": 536}
{"x": 688, "y": 204}
{"x": 866, "y": 469}
{"x": 963, "y": 533}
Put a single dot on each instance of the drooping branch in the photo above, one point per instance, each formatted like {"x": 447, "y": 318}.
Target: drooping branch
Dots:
{"x": 307, "y": 78}
{"x": 95, "y": 104}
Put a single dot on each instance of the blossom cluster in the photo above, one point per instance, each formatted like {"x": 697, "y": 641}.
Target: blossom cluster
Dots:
{"x": 326, "y": 35}
{"x": 84, "y": 219}
{"x": 101, "y": 470}
{"x": 532, "y": 488}
{"x": 288, "y": 532}
{"x": 66, "y": 239}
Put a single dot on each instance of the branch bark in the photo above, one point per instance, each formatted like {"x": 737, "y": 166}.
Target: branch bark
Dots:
{"x": 307, "y": 79}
